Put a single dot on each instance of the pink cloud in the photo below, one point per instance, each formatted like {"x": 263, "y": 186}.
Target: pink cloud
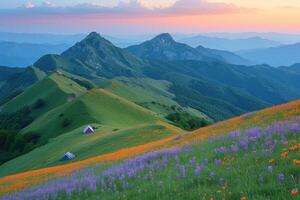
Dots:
{"x": 132, "y": 8}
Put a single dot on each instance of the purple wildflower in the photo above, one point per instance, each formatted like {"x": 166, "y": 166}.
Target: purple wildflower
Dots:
{"x": 217, "y": 161}
{"x": 270, "y": 169}
{"x": 280, "y": 177}
{"x": 198, "y": 170}
{"x": 234, "y": 148}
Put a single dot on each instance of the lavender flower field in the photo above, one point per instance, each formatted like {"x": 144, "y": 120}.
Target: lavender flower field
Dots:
{"x": 256, "y": 164}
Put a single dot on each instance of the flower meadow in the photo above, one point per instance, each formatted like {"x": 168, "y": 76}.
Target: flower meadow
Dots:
{"x": 256, "y": 164}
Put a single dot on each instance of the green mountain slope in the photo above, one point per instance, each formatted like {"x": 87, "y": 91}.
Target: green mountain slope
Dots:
{"x": 102, "y": 56}
{"x": 13, "y": 84}
{"x": 96, "y": 106}
{"x": 152, "y": 94}
{"x": 54, "y": 90}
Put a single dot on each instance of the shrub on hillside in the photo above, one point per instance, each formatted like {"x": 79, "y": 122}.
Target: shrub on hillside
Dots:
{"x": 186, "y": 121}
{"x": 40, "y": 103}
{"x": 66, "y": 122}
{"x": 13, "y": 144}
{"x": 16, "y": 120}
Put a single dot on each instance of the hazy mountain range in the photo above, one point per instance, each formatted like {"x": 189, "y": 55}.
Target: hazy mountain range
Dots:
{"x": 229, "y": 44}
{"x": 24, "y": 54}
{"x": 22, "y": 49}
{"x": 283, "y": 55}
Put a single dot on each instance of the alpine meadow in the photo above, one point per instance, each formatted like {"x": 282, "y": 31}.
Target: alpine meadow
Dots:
{"x": 153, "y": 100}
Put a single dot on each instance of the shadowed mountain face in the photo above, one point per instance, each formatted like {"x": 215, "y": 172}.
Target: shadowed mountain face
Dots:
{"x": 101, "y": 55}
{"x": 164, "y": 47}
{"x": 93, "y": 56}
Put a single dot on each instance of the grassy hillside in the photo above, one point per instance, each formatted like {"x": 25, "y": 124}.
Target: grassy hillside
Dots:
{"x": 96, "y": 106}
{"x": 189, "y": 185}
{"x": 152, "y": 94}
{"x": 85, "y": 146}
{"x": 15, "y": 84}
{"x": 119, "y": 123}
{"x": 53, "y": 90}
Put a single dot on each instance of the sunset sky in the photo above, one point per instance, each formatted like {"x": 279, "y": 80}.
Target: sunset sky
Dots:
{"x": 144, "y": 16}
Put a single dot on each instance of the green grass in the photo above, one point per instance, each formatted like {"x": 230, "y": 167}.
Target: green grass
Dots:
{"x": 105, "y": 140}
{"x": 54, "y": 90}
{"x": 120, "y": 123}
{"x": 96, "y": 106}
{"x": 149, "y": 93}
{"x": 242, "y": 174}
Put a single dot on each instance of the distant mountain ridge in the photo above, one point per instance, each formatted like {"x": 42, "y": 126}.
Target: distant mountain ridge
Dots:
{"x": 24, "y": 54}
{"x": 284, "y": 55}
{"x": 229, "y": 44}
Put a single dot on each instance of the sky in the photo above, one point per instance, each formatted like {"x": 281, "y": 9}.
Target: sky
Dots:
{"x": 149, "y": 16}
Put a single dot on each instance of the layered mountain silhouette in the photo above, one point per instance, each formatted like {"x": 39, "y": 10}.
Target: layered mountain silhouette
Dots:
{"x": 283, "y": 55}
{"x": 229, "y": 44}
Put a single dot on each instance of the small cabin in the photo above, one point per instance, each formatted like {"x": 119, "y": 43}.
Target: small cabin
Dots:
{"x": 88, "y": 130}
{"x": 68, "y": 156}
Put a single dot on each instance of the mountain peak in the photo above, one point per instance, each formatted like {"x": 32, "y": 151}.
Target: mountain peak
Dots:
{"x": 93, "y": 35}
{"x": 164, "y": 38}
{"x": 94, "y": 38}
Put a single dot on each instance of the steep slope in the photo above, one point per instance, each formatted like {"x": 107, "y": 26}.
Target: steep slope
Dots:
{"x": 284, "y": 55}
{"x": 261, "y": 118}
{"x": 264, "y": 82}
{"x": 51, "y": 63}
{"x": 24, "y": 54}
{"x": 152, "y": 94}
{"x": 96, "y": 106}
{"x": 53, "y": 91}
{"x": 164, "y": 47}
{"x": 199, "y": 89}
{"x": 102, "y": 56}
